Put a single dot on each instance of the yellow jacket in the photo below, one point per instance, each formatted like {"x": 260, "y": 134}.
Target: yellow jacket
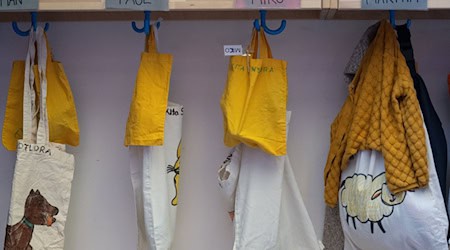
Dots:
{"x": 381, "y": 113}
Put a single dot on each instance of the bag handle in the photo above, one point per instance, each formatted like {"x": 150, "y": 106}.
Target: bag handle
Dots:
{"x": 151, "y": 41}
{"x": 29, "y": 95}
{"x": 43, "y": 131}
{"x": 253, "y": 47}
{"x": 49, "y": 49}
{"x": 265, "y": 51}
{"x": 260, "y": 46}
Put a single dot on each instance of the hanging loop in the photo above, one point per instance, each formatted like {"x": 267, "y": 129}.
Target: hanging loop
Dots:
{"x": 269, "y": 31}
{"x": 146, "y": 28}
{"x": 33, "y": 25}
{"x": 392, "y": 19}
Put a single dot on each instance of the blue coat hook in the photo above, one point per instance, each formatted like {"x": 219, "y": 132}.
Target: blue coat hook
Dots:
{"x": 146, "y": 28}
{"x": 392, "y": 19}
{"x": 269, "y": 31}
{"x": 33, "y": 25}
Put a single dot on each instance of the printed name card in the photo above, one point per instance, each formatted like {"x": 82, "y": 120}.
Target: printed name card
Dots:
{"x": 394, "y": 4}
{"x": 267, "y": 4}
{"x": 9, "y": 5}
{"x": 232, "y": 50}
{"x": 138, "y": 4}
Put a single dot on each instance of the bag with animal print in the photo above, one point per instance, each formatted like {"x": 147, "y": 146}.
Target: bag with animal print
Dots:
{"x": 373, "y": 218}
{"x": 43, "y": 171}
{"x": 155, "y": 173}
{"x": 155, "y": 170}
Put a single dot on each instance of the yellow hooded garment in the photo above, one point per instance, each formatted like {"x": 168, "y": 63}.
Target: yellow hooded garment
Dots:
{"x": 381, "y": 113}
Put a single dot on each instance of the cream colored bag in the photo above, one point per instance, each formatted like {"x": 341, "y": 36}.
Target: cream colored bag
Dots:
{"x": 43, "y": 171}
{"x": 155, "y": 175}
{"x": 373, "y": 218}
{"x": 155, "y": 171}
{"x": 269, "y": 212}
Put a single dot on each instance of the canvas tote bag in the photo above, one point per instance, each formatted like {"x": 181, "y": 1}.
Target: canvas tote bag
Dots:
{"x": 43, "y": 171}
{"x": 255, "y": 98}
{"x": 155, "y": 175}
{"x": 269, "y": 212}
{"x": 63, "y": 122}
{"x": 145, "y": 125}
{"x": 373, "y": 218}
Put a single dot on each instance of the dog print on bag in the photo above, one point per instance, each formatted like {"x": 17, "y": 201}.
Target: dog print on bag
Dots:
{"x": 368, "y": 199}
{"x": 176, "y": 169}
{"x": 37, "y": 212}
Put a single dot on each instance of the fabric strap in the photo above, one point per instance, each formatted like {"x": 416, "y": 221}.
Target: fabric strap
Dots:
{"x": 151, "y": 43}
{"x": 29, "y": 95}
{"x": 259, "y": 45}
{"x": 43, "y": 131}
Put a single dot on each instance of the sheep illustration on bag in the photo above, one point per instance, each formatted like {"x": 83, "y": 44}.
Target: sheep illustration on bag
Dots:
{"x": 368, "y": 199}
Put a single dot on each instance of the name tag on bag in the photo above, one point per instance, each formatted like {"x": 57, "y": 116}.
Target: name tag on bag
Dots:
{"x": 232, "y": 50}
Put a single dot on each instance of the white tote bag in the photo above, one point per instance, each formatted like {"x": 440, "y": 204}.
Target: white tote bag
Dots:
{"x": 155, "y": 173}
{"x": 43, "y": 171}
{"x": 269, "y": 212}
{"x": 373, "y": 218}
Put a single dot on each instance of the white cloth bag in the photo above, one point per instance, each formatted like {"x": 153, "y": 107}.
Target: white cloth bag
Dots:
{"x": 373, "y": 218}
{"x": 43, "y": 171}
{"x": 269, "y": 212}
{"x": 155, "y": 177}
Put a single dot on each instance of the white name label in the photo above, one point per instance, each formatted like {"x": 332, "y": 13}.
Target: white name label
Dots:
{"x": 267, "y": 4}
{"x": 394, "y": 4}
{"x": 138, "y": 4}
{"x": 232, "y": 50}
{"x": 7, "y": 5}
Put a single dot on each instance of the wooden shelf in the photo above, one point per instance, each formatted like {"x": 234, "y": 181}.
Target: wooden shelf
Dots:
{"x": 94, "y": 10}
{"x": 99, "y": 5}
{"x": 53, "y": 16}
{"x": 58, "y": 5}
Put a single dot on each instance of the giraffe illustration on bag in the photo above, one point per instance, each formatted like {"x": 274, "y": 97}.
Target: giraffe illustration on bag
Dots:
{"x": 37, "y": 212}
{"x": 176, "y": 169}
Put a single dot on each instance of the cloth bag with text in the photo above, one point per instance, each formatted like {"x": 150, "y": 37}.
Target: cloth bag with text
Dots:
{"x": 255, "y": 98}
{"x": 43, "y": 171}
{"x": 153, "y": 133}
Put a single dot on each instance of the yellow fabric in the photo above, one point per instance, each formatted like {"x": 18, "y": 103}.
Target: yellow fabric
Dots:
{"x": 145, "y": 125}
{"x": 254, "y": 100}
{"x": 63, "y": 122}
{"x": 381, "y": 113}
